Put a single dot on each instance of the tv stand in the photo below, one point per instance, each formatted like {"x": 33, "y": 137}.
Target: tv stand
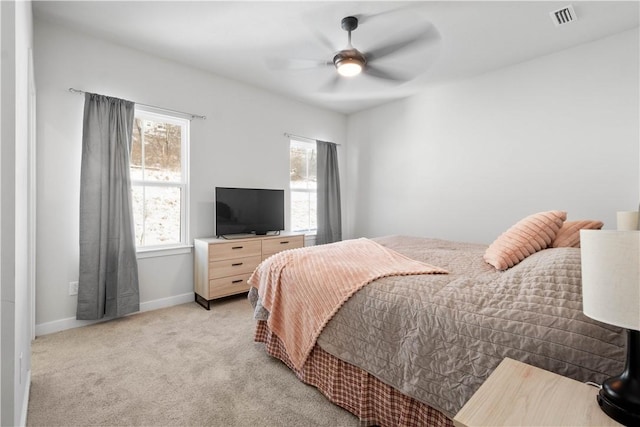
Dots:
{"x": 222, "y": 267}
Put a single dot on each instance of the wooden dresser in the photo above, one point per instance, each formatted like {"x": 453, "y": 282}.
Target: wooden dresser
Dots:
{"x": 223, "y": 266}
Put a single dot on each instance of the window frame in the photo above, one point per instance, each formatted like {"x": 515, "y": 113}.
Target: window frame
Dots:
{"x": 183, "y": 246}
{"x": 309, "y": 231}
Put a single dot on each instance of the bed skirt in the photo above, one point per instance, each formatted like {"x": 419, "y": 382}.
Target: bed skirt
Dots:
{"x": 357, "y": 391}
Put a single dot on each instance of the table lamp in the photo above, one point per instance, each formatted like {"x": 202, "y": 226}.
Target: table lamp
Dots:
{"x": 611, "y": 294}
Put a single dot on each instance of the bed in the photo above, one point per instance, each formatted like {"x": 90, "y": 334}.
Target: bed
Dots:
{"x": 411, "y": 349}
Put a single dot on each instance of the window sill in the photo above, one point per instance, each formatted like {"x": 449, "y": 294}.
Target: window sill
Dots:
{"x": 166, "y": 251}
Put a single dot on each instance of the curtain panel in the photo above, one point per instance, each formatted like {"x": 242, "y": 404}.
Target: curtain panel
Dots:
{"x": 108, "y": 279}
{"x": 329, "y": 210}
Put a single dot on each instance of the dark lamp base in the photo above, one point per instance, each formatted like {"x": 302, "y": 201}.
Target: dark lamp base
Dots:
{"x": 620, "y": 396}
{"x": 621, "y": 415}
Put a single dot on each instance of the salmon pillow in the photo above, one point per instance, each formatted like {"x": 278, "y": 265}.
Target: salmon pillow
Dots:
{"x": 526, "y": 237}
{"x": 569, "y": 234}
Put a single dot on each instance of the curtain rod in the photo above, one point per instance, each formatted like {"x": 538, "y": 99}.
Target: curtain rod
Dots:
{"x": 302, "y": 138}
{"x": 193, "y": 116}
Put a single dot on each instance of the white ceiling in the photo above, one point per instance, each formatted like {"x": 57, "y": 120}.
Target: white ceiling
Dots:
{"x": 246, "y": 40}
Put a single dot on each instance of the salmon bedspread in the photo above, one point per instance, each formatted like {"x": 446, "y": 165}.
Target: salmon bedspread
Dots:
{"x": 303, "y": 288}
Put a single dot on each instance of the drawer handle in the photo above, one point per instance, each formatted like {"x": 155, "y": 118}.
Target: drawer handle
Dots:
{"x": 237, "y": 281}
{"x": 237, "y": 264}
{"x": 284, "y": 243}
{"x": 237, "y": 247}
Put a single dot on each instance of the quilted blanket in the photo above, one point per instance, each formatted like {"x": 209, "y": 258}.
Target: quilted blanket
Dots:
{"x": 437, "y": 338}
{"x": 303, "y": 288}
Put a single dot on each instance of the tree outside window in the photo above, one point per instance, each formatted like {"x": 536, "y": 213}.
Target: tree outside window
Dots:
{"x": 159, "y": 176}
{"x": 303, "y": 186}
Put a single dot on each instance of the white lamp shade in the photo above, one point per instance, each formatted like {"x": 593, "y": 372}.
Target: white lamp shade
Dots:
{"x": 611, "y": 276}
{"x": 628, "y": 220}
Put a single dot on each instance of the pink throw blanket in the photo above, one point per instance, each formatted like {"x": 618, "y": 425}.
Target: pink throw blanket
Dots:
{"x": 303, "y": 288}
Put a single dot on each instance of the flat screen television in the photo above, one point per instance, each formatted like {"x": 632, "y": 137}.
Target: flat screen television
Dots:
{"x": 248, "y": 210}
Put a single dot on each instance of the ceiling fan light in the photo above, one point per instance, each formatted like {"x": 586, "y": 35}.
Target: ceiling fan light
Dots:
{"x": 349, "y": 67}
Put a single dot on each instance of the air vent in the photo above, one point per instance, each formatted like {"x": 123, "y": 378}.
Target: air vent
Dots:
{"x": 563, "y": 16}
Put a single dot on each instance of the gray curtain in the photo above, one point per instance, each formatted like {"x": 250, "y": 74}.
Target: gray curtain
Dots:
{"x": 108, "y": 282}
{"x": 329, "y": 212}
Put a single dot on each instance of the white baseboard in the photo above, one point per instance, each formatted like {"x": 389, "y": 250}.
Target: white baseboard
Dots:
{"x": 72, "y": 322}
{"x": 167, "y": 302}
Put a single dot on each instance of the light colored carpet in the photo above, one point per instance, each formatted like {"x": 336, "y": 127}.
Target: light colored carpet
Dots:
{"x": 181, "y": 365}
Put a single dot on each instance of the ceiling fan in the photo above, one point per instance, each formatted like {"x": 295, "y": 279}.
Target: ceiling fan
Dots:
{"x": 350, "y": 62}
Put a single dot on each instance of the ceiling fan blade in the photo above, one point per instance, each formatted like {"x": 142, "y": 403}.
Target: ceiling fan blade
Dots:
{"x": 332, "y": 84}
{"x": 376, "y": 72}
{"x": 366, "y": 17}
{"x": 427, "y": 34}
{"x": 324, "y": 41}
{"x": 296, "y": 64}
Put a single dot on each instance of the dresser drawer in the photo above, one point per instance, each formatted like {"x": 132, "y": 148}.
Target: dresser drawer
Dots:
{"x": 228, "y": 285}
{"x": 272, "y": 246}
{"x": 229, "y": 250}
{"x": 233, "y": 267}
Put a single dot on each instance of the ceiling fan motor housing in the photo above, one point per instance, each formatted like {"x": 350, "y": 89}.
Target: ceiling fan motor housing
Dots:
{"x": 346, "y": 54}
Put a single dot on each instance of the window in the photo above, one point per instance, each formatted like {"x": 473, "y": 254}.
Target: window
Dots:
{"x": 303, "y": 186}
{"x": 159, "y": 179}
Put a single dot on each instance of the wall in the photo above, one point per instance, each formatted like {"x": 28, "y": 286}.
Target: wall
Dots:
{"x": 16, "y": 37}
{"x": 461, "y": 161}
{"x": 241, "y": 143}
{"x": 465, "y": 160}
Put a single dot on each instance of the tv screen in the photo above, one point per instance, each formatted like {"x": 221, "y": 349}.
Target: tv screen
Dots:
{"x": 248, "y": 210}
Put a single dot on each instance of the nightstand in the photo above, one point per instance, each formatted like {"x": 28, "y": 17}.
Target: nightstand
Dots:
{"x": 517, "y": 394}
